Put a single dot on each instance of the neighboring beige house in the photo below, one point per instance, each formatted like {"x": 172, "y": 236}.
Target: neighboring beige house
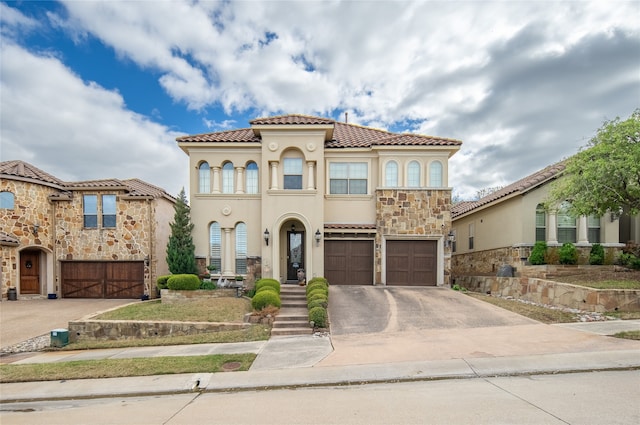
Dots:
{"x": 298, "y": 193}
{"x": 90, "y": 239}
{"x": 502, "y": 227}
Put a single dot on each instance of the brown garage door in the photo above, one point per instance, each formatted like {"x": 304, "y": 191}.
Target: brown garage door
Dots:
{"x": 102, "y": 279}
{"x": 411, "y": 263}
{"x": 348, "y": 262}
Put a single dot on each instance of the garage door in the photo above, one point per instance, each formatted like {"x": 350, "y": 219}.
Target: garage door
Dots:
{"x": 102, "y": 279}
{"x": 411, "y": 263}
{"x": 348, "y": 262}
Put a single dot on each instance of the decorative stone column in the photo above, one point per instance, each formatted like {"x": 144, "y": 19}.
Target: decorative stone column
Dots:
{"x": 216, "y": 179}
{"x": 553, "y": 230}
{"x": 274, "y": 175}
{"x": 227, "y": 266}
{"x": 311, "y": 184}
{"x": 239, "y": 179}
{"x": 583, "y": 238}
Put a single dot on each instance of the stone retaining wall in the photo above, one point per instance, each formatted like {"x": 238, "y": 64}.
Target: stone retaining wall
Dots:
{"x": 170, "y": 297}
{"x": 554, "y": 293}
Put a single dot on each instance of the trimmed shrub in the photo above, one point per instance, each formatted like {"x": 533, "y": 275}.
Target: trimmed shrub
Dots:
{"x": 317, "y": 303}
{"x": 318, "y": 286}
{"x": 162, "y": 281}
{"x": 319, "y": 279}
{"x": 317, "y": 297}
{"x": 537, "y": 254}
{"x": 268, "y": 282}
{"x": 316, "y": 292}
{"x": 266, "y": 288}
{"x": 568, "y": 254}
{"x": 184, "y": 282}
{"x": 263, "y": 299}
{"x": 318, "y": 316}
{"x": 208, "y": 284}
{"x": 596, "y": 256}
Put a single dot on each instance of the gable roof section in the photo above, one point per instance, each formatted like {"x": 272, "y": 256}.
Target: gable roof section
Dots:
{"x": 520, "y": 187}
{"x": 344, "y": 135}
{"x": 20, "y": 170}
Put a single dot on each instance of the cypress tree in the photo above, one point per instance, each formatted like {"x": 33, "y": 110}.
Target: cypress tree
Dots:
{"x": 180, "y": 249}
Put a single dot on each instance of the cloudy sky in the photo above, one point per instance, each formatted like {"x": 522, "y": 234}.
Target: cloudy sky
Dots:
{"x": 94, "y": 89}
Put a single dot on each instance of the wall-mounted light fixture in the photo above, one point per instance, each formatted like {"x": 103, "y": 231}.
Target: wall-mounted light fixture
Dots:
{"x": 451, "y": 238}
{"x": 36, "y": 227}
{"x": 266, "y": 236}
{"x": 293, "y": 228}
{"x": 318, "y": 237}
{"x": 146, "y": 261}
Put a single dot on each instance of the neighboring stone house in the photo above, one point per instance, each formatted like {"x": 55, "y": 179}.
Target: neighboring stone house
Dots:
{"x": 502, "y": 227}
{"x": 296, "y": 194}
{"x": 90, "y": 239}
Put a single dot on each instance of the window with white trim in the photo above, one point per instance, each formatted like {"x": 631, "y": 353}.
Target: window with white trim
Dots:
{"x": 593, "y": 226}
{"x": 215, "y": 246}
{"x": 566, "y": 224}
{"x": 472, "y": 231}
{"x": 348, "y": 178}
{"x": 435, "y": 174}
{"x": 90, "y": 211}
{"x": 204, "y": 178}
{"x": 413, "y": 174}
{"x": 391, "y": 174}
{"x": 541, "y": 223}
{"x": 292, "y": 173}
{"x": 252, "y": 178}
{"x": 108, "y": 210}
{"x": 228, "y": 175}
{"x": 241, "y": 248}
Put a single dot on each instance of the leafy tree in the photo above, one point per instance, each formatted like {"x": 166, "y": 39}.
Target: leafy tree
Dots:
{"x": 605, "y": 175}
{"x": 180, "y": 249}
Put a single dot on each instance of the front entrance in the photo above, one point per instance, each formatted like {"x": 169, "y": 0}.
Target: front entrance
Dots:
{"x": 295, "y": 254}
{"x": 30, "y": 272}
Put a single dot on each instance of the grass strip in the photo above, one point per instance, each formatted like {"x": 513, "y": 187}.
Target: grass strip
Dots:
{"x": 535, "y": 312}
{"x": 635, "y": 335}
{"x": 114, "y": 368}
{"x": 223, "y": 309}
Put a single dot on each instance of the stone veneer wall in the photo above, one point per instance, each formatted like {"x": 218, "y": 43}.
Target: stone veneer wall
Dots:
{"x": 554, "y": 293}
{"x": 411, "y": 212}
{"x": 31, "y": 206}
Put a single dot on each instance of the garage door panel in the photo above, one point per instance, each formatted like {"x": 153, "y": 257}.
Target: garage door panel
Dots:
{"x": 411, "y": 262}
{"x": 349, "y": 262}
{"x": 108, "y": 279}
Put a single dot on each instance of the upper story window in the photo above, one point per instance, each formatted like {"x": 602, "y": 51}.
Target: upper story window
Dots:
{"x": 293, "y": 173}
{"x": 241, "y": 248}
{"x": 541, "y": 223}
{"x": 204, "y": 178}
{"x": 108, "y": 210}
{"x": 435, "y": 174}
{"x": 472, "y": 231}
{"x": 566, "y": 224}
{"x": 7, "y": 200}
{"x": 391, "y": 174}
{"x": 348, "y": 178}
{"x": 228, "y": 174}
{"x": 215, "y": 246}
{"x": 252, "y": 178}
{"x": 593, "y": 224}
{"x": 90, "y": 211}
{"x": 413, "y": 174}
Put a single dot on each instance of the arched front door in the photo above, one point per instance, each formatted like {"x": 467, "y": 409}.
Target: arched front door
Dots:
{"x": 30, "y": 272}
{"x": 295, "y": 253}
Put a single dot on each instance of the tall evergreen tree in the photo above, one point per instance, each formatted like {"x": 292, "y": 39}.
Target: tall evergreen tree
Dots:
{"x": 180, "y": 249}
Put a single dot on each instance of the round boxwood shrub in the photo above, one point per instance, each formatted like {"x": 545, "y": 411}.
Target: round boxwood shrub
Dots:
{"x": 317, "y": 286}
{"x": 596, "y": 256}
{"x": 317, "y": 297}
{"x": 319, "y": 279}
{"x": 162, "y": 281}
{"x": 184, "y": 282}
{"x": 208, "y": 284}
{"x": 568, "y": 254}
{"x": 263, "y": 299}
{"x": 317, "y": 303}
{"x": 318, "y": 316}
{"x": 266, "y": 288}
{"x": 316, "y": 292}
{"x": 268, "y": 282}
{"x": 537, "y": 254}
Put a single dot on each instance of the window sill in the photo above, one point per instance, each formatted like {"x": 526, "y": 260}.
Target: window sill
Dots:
{"x": 292, "y": 192}
{"x": 349, "y": 197}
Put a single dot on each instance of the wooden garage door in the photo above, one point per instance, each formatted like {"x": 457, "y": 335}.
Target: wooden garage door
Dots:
{"x": 348, "y": 262}
{"x": 411, "y": 263}
{"x": 102, "y": 279}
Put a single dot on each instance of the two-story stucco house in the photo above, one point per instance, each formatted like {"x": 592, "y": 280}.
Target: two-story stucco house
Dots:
{"x": 502, "y": 227}
{"x": 89, "y": 239}
{"x": 296, "y": 193}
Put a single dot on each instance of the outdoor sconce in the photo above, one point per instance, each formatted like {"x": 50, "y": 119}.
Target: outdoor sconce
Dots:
{"x": 318, "y": 237}
{"x": 293, "y": 228}
{"x": 266, "y": 236}
{"x": 36, "y": 227}
{"x": 451, "y": 238}
{"x": 146, "y": 261}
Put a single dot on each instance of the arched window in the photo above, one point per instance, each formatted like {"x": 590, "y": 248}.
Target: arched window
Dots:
{"x": 541, "y": 223}
{"x": 215, "y": 246}
{"x": 292, "y": 173}
{"x": 228, "y": 174}
{"x": 435, "y": 174}
{"x": 391, "y": 174}
{"x": 204, "y": 178}
{"x": 566, "y": 224}
{"x": 593, "y": 225}
{"x": 241, "y": 248}
{"x": 252, "y": 178}
{"x": 7, "y": 200}
{"x": 413, "y": 174}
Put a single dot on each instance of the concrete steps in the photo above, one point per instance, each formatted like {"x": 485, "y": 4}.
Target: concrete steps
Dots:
{"x": 293, "y": 318}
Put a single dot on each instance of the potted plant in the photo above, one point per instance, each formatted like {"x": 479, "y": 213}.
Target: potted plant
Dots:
{"x": 212, "y": 269}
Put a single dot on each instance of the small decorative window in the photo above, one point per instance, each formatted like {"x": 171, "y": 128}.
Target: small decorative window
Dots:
{"x": 252, "y": 178}
{"x": 413, "y": 174}
{"x": 108, "y": 210}
{"x": 348, "y": 178}
{"x": 7, "y": 200}
{"x": 593, "y": 223}
{"x": 472, "y": 231}
{"x": 293, "y": 173}
{"x": 541, "y": 223}
{"x": 215, "y": 246}
{"x": 241, "y": 248}
{"x": 391, "y": 174}
{"x": 204, "y": 178}
{"x": 90, "y": 211}
{"x": 435, "y": 174}
{"x": 566, "y": 224}
{"x": 228, "y": 174}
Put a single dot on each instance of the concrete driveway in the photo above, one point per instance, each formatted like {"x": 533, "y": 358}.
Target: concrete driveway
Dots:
{"x": 378, "y": 324}
{"x": 24, "y": 319}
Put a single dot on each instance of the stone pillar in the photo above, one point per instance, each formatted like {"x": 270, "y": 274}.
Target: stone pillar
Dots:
{"x": 240, "y": 180}
{"x": 216, "y": 179}
{"x": 553, "y": 230}
{"x": 227, "y": 267}
{"x": 311, "y": 184}
{"x": 582, "y": 230}
{"x": 274, "y": 175}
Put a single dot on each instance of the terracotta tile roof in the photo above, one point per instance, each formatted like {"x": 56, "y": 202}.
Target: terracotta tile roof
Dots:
{"x": 141, "y": 188}
{"x": 520, "y": 187}
{"x": 334, "y": 226}
{"x": 8, "y": 240}
{"x": 344, "y": 135}
{"x": 24, "y": 170}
